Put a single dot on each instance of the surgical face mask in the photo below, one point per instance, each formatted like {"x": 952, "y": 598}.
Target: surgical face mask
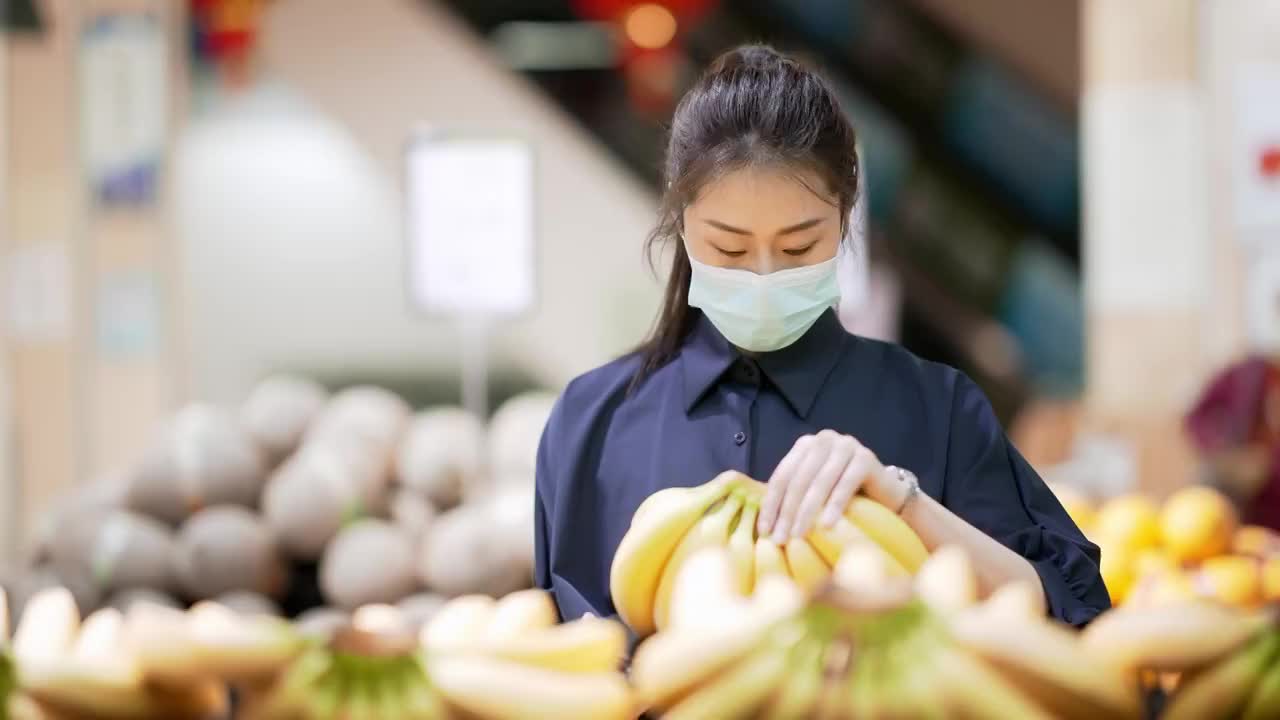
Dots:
{"x": 761, "y": 313}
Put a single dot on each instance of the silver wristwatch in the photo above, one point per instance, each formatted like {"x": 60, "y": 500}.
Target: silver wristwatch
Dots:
{"x": 913, "y": 485}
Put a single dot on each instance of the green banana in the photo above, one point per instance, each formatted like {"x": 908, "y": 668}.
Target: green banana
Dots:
{"x": 1223, "y": 689}
{"x": 1265, "y": 703}
{"x": 799, "y": 693}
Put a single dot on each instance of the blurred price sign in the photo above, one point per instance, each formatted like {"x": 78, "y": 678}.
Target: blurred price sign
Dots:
{"x": 1257, "y": 152}
{"x": 470, "y": 226}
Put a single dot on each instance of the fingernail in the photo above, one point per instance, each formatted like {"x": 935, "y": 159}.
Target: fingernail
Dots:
{"x": 762, "y": 528}
{"x": 829, "y": 517}
{"x": 780, "y": 534}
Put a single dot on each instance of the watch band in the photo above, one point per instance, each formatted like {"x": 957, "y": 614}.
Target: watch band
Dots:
{"x": 913, "y": 485}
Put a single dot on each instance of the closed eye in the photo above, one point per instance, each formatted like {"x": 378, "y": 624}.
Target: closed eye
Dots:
{"x": 731, "y": 253}
{"x": 797, "y": 252}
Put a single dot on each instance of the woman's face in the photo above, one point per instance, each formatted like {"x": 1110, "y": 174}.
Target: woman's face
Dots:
{"x": 763, "y": 220}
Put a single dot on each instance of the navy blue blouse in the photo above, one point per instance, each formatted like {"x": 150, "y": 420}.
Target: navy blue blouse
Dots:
{"x": 605, "y": 450}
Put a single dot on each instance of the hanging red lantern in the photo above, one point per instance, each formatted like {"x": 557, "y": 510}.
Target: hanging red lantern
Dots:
{"x": 688, "y": 11}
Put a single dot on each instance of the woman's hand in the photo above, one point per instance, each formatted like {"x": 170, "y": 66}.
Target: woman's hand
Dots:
{"x": 821, "y": 473}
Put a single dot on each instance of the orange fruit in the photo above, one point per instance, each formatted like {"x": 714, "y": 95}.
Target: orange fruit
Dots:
{"x": 1271, "y": 579}
{"x": 1231, "y": 579}
{"x": 1117, "y": 571}
{"x": 1255, "y": 540}
{"x": 1131, "y": 521}
{"x": 1197, "y": 523}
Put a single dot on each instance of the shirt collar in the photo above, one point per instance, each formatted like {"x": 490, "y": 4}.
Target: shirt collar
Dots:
{"x": 798, "y": 370}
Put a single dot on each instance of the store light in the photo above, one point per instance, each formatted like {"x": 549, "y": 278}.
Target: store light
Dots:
{"x": 650, "y": 26}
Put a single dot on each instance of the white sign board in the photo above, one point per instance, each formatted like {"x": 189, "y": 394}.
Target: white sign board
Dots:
{"x": 470, "y": 225}
{"x": 1256, "y": 158}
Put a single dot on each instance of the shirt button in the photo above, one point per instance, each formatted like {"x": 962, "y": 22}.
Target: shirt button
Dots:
{"x": 739, "y": 437}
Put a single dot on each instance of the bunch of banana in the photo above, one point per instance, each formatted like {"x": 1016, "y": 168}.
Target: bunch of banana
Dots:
{"x": 477, "y": 658}
{"x": 861, "y": 646}
{"x": 1228, "y": 659}
{"x": 369, "y": 669}
{"x": 66, "y": 668}
{"x": 673, "y": 524}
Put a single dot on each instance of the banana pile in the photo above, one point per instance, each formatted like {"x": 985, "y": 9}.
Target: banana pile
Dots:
{"x": 1224, "y": 662}
{"x": 63, "y": 667}
{"x": 479, "y": 659}
{"x": 673, "y": 524}
{"x": 868, "y": 644}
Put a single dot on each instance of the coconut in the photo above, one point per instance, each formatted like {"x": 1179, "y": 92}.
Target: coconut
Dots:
{"x": 123, "y": 600}
{"x": 365, "y": 414}
{"x": 202, "y": 457}
{"x": 315, "y": 492}
{"x": 225, "y": 548}
{"x": 115, "y": 549}
{"x": 510, "y": 511}
{"x": 369, "y": 562}
{"x": 106, "y": 492}
{"x": 247, "y": 602}
{"x": 420, "y": 608}
{"x": 278, "y": 412}
{"x": 412, "y": 511}
{"x": 461, "y": 554}
{"x": 515, "y": 431}
{"x": 321, "y": 622}
{"x": 442, "y": 454}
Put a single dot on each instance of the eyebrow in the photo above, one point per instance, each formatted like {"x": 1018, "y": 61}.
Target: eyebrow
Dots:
{"x": 789, "y": 230}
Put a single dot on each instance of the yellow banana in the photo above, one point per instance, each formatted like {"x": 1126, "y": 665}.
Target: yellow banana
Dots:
{"x": 805, "y": 564}
{"x": 1047, "y": 661}
{"x": 738, "y": 693}
{"x": 460, "y": 624}
{"x": 769, "y": 559}
{"x": 1265, "y": 703}
{"x": 520, "y": 612}
{"x": 47, "y": 629}
{"x": 1171, "y": 638}
{"x": 742, "y": 549}
{"x": 969, "y": 689}
{"x": 502, "y": 690}
{"x": 705, "y": 591}
{"x": 649, "y": 543}
{"x": 711, "y": 531}
{"x": 798, "y": 696}
{"x": 1224, "y": 689}
{"x": 888, "y": 531}
{"x": 831, "y": 542}
{"x": 668, "y": 665}
{"x": 586, "y": 645}
{"x": 946, "y": 581}
{"x": 1020, "y": 600}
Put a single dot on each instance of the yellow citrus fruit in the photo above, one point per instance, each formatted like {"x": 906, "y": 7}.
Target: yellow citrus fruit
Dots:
{"x": 1271, "y": 579}
{"x": 1255, "y": 540}
{"x": 1128, "y": 520}
{"x": 1117, "y": 571}
{"x": 1197, "y": 523}
{"x": 1232, "y": 579}
{"x": 1153, "y": 561}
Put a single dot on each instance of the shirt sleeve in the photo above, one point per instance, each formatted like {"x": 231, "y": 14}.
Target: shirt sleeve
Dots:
{"x": 550, "y": 476}
{"x": 990, "y": 485}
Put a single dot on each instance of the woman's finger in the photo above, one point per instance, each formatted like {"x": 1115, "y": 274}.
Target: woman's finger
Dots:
{"x": 800, "y": 481}
{"x": 822, "y": 485}
{"x": 855, "y": 473}
{"x": 778, "y": 485}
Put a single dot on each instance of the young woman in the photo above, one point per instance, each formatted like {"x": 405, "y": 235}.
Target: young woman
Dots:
{"x": 749, "y": 369}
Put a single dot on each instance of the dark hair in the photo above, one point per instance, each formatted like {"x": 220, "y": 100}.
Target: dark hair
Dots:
{"x": 753, "y": 106}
